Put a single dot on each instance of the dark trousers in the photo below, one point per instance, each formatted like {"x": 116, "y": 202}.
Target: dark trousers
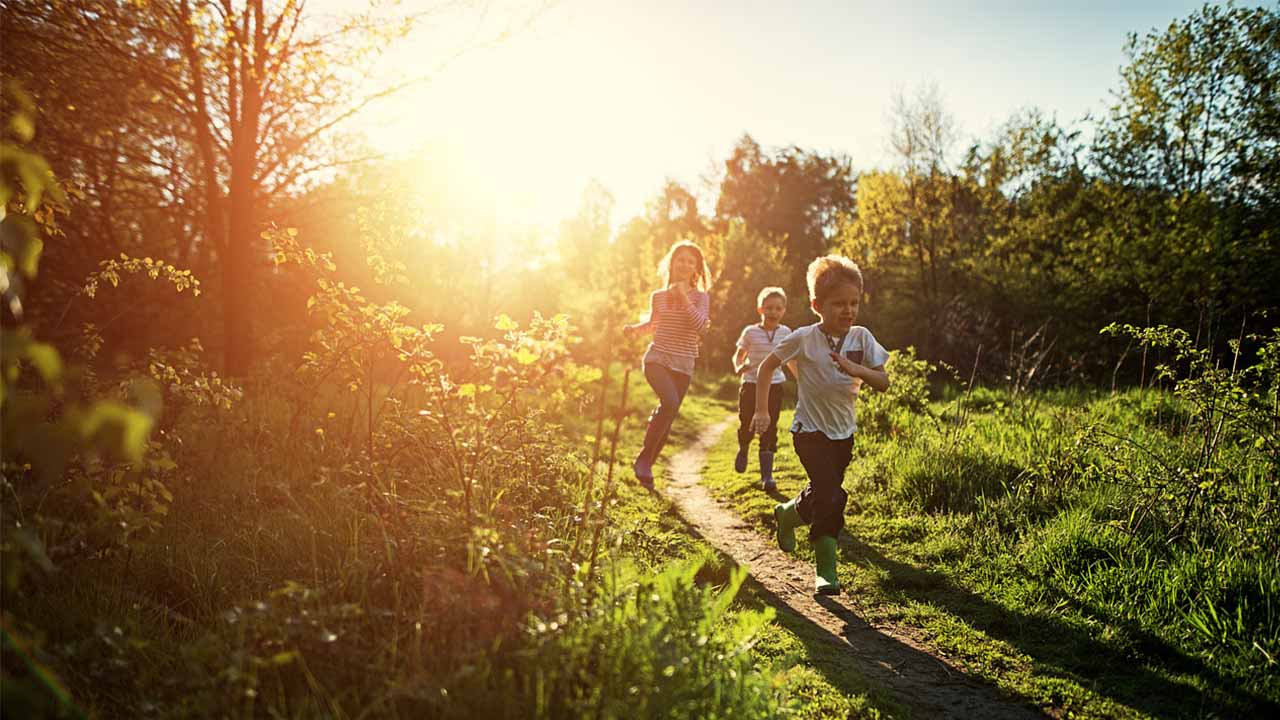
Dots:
{"x": 670, "y": 387}
{"x": 747, "y": 409}
{"x": 822, "y": 503}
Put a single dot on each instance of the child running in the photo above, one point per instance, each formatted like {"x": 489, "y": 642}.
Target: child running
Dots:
{"x": 754, "y": 344}
{"x": 829, "y": 356}
{"x": 679, "y": 314}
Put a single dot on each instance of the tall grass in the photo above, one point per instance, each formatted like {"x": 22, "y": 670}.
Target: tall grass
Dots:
{"x": 1152, "y": 511}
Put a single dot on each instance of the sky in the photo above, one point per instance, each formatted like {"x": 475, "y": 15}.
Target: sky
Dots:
{"x": 631, "y": 93}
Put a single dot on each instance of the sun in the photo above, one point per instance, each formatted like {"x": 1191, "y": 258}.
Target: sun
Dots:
{"x": 517, "y": 132}
{"x": 497, "y": 142}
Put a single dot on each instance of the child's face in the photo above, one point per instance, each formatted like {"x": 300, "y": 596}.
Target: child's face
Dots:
{"x": 772, "y": 310}
{"x": 839, "y": 309}
{"x": 684, "y": 265}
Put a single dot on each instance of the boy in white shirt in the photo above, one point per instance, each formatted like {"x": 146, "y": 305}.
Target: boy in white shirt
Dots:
{"x": 829, "y": 357}
{"x": 754, "y": 344}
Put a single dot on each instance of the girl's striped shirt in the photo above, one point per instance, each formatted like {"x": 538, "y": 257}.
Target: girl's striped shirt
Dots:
{"x": 678, "y": 328}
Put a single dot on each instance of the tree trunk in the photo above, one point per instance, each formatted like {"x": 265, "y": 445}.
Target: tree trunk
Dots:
{"x": 239, "y": 265}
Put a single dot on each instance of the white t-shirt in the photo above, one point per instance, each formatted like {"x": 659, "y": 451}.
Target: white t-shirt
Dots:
{"x": 826, "y": 396}
{"x": 758, "y": 343}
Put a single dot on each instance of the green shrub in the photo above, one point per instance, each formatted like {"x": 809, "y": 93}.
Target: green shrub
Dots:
{"x": 908, "y": 393}
{"x": 1210, "y": 478}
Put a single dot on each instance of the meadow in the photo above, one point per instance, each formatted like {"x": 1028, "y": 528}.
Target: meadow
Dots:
{"x": 1070, "y": 570}
{"x": 292, "y": 432}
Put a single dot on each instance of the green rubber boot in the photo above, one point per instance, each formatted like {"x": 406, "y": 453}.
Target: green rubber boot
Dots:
{"x": 788, "y": 519}
{"x": 827, "y": 582}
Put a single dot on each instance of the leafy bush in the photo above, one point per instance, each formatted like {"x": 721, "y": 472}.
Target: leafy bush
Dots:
{"x": 1211, "y": 478}
{"x": 908, "y": 393}
{"x": 53, "y": 424}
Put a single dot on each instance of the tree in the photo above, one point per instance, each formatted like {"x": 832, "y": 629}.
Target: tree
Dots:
{"x": 108, "y": 132}
{"x": 1198, "y": 109}
{"x": 243, "y": 99}
{"x": 1191, "y": 152}
{"x": 1035, "y": 262}
{"x": 584, "y": 239}
{"x": 921, "y": 133}
{"x": 673, "y": 215}
{"x": 747, "y": 264}
{"x": 917, "y": 227}
{"x": 792, "y": 198}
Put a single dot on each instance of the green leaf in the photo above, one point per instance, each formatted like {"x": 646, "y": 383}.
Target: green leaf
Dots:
{"x": 284, "y": 658}
{"x": 22, "y": 127}
{"x": 19, "y": 238}
{"x": 504, "y": 322}
{"x": 117, "y": 429}
{"x": 525, "y": 356}
{"x": 45, "y": 359}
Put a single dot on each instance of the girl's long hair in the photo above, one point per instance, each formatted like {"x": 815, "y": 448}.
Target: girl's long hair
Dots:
{"x": 701, "y": 276}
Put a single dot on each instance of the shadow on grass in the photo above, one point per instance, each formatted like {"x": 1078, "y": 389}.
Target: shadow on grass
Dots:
{"x": 1058, "y": 649}
{"x": 863, "y": 660}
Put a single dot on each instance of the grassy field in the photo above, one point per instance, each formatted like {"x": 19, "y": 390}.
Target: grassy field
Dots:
{"x": 288, "y": 575}
{"x": 993, "y": 535}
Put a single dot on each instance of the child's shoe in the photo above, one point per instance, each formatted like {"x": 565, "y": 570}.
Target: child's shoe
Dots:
{"x": 740, "y": 462}
{"x": 788, "y": 519}
{"x": 826, "y": 582}
{"x": 644, "y": 472}
{"x": 766, "y": 471}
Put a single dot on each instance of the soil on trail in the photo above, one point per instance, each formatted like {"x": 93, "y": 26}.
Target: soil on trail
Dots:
{"x": 891, "y": 656}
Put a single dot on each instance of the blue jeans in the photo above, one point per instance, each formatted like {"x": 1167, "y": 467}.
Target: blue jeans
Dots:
{"x": 670, "y": 387}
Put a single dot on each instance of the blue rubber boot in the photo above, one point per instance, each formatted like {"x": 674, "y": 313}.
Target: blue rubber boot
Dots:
{"x": 644, "y": 472}
{"x": 766, "y": 471}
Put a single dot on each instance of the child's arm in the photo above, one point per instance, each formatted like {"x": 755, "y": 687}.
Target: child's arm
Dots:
{"x": 761, "y": 420}
{"x": 876, "y": 377}
{"x": 698, "y": 307}
{"x": 740, "y": 363}
{"x": 647, "y": 325}
{"x": 795, "y": 371}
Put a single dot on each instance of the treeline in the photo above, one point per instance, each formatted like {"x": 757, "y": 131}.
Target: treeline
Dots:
{"x": 998, "y": 252}
{"x": 1162, "y": 211}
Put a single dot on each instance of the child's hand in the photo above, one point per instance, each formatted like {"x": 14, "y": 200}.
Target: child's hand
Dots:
{"x": 680, "y": 291}
{"x": 847, "y": 366}
{"x": 741, "y": 369}
{"x": 760, "y": 422}
{"x": 630, "y": 330}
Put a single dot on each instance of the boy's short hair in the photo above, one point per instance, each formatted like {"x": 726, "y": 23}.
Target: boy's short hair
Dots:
{"x": 769, "y": 292}
{"x": 827, "y": 272}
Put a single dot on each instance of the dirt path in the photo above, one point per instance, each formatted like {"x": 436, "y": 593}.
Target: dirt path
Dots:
{"x": 916, "y": 675}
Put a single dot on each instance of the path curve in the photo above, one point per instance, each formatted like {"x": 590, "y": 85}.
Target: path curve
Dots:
{"x": 890, "y": 655}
